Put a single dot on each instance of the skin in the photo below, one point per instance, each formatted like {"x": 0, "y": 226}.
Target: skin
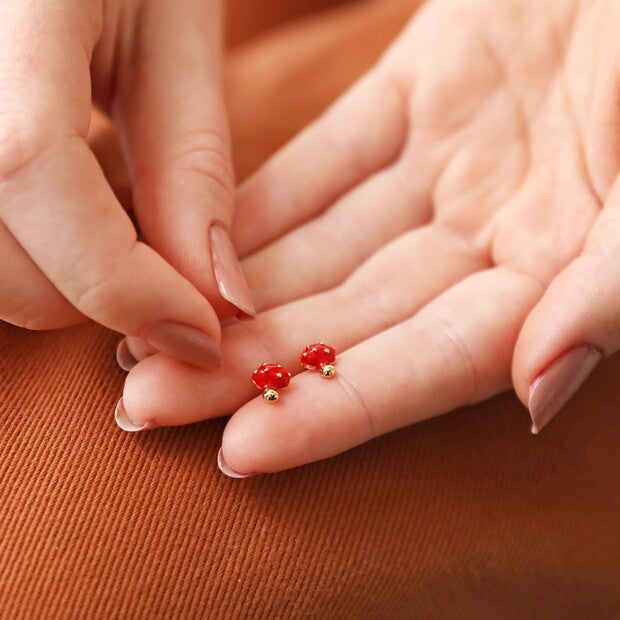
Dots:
{"x": 449, "y": 225}
{"x": 69, "y": 249}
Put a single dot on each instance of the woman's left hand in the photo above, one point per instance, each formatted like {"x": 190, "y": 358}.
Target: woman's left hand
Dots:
{"x": 441, "y": 225}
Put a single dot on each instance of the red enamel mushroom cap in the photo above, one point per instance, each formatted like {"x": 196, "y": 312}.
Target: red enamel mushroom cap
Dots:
{"x": 271, "y": 377}
{"x": 317, "y": 355}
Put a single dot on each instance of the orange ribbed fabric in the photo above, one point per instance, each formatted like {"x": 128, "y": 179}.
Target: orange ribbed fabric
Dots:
{"x": 464, "y": 516}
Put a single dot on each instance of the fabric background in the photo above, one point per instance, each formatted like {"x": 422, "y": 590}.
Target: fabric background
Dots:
{"x": 464, "y": 516}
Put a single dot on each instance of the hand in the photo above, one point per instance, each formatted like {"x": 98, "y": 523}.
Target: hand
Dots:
{"x": 68, "y": 250}
{"x": 454, "y": 216}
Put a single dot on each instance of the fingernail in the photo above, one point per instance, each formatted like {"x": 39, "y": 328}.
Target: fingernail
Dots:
{"x": 183, "y": 342}
{"x": 228, "y": 272}
{"x": 553, "y": 388}
{"x": 225, "y": 469}
{"x": 139, "y": 348}
{"x": 124, "y": 358}
{"x": 120, "y": 415}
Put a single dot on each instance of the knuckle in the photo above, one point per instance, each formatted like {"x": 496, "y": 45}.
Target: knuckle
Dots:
{"x": 343, "y": 140}
{"x": 101, "y": 295}
{"x": 600, "y": 253}
{"x": 21, "y": 142}
{"x": 355, "y": 394}
{"x": 95, "y": 294}
{"x": 205, "y": 153}
{"x": 456, "y": 352}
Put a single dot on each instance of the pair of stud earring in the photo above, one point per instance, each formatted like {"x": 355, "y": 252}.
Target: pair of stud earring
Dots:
{"x": 273, "y": 377}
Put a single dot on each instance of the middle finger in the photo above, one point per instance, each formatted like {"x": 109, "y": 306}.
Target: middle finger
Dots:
{"x": 390, "y": 287}
{"x": 325, "y": 250}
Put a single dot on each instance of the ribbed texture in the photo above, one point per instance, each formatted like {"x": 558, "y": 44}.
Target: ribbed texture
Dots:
{"x": 464, "y": 516}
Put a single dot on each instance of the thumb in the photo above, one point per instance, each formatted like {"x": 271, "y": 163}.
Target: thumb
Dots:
{"x": 172, "y": 118}
{"x": 576, "y": 323}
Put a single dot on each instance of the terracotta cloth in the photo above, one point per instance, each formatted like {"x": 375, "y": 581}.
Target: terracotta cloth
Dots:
{"x": 464, "y": 516}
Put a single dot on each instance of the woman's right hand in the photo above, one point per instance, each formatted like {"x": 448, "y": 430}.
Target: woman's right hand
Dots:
{"x": 68, "y": 249}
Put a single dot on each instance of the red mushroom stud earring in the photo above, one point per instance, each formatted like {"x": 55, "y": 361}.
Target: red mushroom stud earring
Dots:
{"x": 320, "y": 356}
{"x": 270, "y": 378}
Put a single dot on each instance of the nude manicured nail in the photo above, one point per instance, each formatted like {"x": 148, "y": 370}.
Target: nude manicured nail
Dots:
{"x": 225, "y": 469}
{"x": 183, "y": 342}
{"x": 139, "y": 348}
{"x": 124, "y": 358}
{"x": 120, "y": 415}
{"x": 228, "y": 273}
{"x": 554, "y": 387}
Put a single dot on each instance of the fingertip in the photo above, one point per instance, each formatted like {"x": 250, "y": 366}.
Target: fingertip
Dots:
{"x": 241, "y": 441}
{"x": 557, "y": 383}
{"x": 124, "y": 358}
{"x": 562, "y": 340}
{"x": 126, "y": 424}
{"x": 171, "y": 392}
{"x": 184, "y": 343}
{"x": 272, "y": 437}
{"x": 131, "y": 350}
{"x": 229, "y": 471}
{"x": 142, "y": 396}
{"x": 139, "y": 348}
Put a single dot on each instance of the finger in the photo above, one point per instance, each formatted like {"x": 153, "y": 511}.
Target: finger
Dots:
{"x": 131, "y": 350}
{"x": 328, "y": 248}
{"x": 173, "y": 119}
{"x": 576, "y": 323}
{"x": 452, "y": 353}
{"x": 124, "y": 358}
{"x": 390, "y": 287}
{"x": 361, "y": 133}
{"x": 92, "y": 257}
{"x": 54, "y": 198}
{"x": 27, "y": 298}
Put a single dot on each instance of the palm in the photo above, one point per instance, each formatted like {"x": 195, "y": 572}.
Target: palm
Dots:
{"x": 501, "y": 126}
{"x": 414, "y": 227}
